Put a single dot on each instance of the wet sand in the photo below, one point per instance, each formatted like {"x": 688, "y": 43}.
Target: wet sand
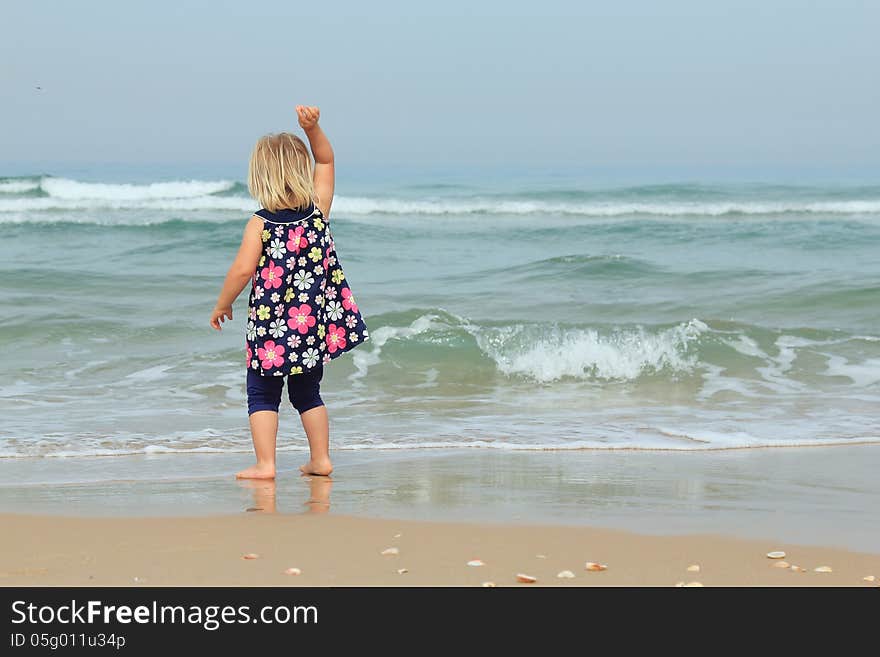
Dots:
{"x": 813, "y": 496}
{"x": 184, "y": 520}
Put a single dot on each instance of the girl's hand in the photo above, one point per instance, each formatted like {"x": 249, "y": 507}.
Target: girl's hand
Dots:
{"x": 220, "y": 315}
{"x": 308, "y": 116}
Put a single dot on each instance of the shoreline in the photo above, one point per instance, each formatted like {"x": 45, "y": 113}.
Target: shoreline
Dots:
{"x": 344, "y": 550}
{"x": 787, "y": 495}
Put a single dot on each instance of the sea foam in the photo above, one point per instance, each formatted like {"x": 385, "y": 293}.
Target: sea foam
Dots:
{"x": 548, "y": 353}
{"x": 58, "y": 193}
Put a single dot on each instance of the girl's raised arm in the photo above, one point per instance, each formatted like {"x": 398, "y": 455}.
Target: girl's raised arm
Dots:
{"x": 325, "y": 174}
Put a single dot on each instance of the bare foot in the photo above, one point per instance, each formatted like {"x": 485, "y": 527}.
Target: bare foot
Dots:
{"x": 258, "y": 471}
{"x": 321, "y": 467}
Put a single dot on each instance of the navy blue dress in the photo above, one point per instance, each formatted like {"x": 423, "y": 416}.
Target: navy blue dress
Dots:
{"x": 301, "y": 310}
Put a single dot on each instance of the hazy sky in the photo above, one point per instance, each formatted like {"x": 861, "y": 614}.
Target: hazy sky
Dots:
{"x": 624, "y": 83}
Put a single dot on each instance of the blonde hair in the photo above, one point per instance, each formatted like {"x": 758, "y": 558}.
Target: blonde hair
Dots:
{"x": 280, "y": 172}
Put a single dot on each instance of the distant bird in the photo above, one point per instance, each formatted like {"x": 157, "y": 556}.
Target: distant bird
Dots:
{"x": 39, "y": 88}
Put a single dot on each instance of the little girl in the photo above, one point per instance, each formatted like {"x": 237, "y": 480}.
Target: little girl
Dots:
{"x": 301, "y": 311}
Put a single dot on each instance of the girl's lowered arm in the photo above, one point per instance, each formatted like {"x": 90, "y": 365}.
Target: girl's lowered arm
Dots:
{"x": 240, "y": 272}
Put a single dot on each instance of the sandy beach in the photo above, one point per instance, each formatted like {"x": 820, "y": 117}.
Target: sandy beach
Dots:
{"x": 332, "y": 550}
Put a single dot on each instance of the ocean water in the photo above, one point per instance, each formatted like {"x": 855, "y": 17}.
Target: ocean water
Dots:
{"x": 515, "y": 315}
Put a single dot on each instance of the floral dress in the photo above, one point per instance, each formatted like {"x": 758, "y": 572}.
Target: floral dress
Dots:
{"x": 301, "y": 311}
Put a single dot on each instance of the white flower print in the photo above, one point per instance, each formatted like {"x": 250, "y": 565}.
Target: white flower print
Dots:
{"x": 261, "y": 331}
{"x": 252, "y": 313}
{"x": 294, "y": 341}
{"x": 279, "y": 231}
{"x": 330, "y": 293}
{"x": 322, "y": 346}
{"x": 279, "y": 310}
{"x": 350, "y": 321}
{"x": 334, "y": 310}
{"x": 310, "y": 339}
{"x": 311, "y": 236}
{"x": 251, "y": 330}
{"x": 318, "y": 270}
{"x": 277, "y": 249}
{"x": 303, "y": 297}
{"x": 310, "y": 357}
{"x": 277, "y": 328}
{"x": 353, "y": 336}
{"x": 289, "y": 279}
{"x": 258, "y": 292}
{"x": 275, "y": 298}
{"x": 331, "y": 261}
{"x": 319, "y": 299}
{"x": 303, "y": 279}
{"x": 291, "y": 263}
{"x": 293, "y": 357}
{"x": 301, "y": 261}
{"x": 255, "y": 364}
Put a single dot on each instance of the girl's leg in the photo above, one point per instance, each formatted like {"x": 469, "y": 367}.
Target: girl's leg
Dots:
{"x": 264, "y": 397}
{"x": 304, "y": 391}
{"x": 317, "y": 426}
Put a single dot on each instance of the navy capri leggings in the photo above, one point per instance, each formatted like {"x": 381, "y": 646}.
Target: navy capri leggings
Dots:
{"x": 303, "y": 390}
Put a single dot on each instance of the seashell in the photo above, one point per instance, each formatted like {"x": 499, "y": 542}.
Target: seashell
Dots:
{"x": 526, "y": 579}
{"x": 781, "y": 564}
{"x": 390, "y": 551}
{"x": 250, "y": 555}
{"x": 869, "y": 578}
{"x": 397, "y": 535}
{"x": 540, "y": 556}
{"x": 475, "y": 563}
{"x": 293, "y": 571}
{"x": 565, "y": 574}
{"x": 693, "y": 569}
{"x": 822, "y": 569}
{"x": 693, "y": 584}
{"x": 595, "y": 567}
{"x": 488, "y": 585}
{"x": 776, "y": 555}
{"x": 798, "y": 569}
{"x": 401, "y": 571}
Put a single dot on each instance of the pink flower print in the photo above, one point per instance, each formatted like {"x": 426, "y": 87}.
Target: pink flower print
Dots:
{"x": 296, "y": 240}
{"x": 250, "y": 355}
{"x": 271, "y": 275}
{"x": 301, "y": 318}
{"x": 348, "y": 300}
{"x": 324, "y": 263}
{"x": 335, "y": 338}
{"x": 270, "y": 355}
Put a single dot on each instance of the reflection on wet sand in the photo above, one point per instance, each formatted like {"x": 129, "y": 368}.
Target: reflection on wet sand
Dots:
{"x": 264, "y": 494}
{"x": 319, "y": 494}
